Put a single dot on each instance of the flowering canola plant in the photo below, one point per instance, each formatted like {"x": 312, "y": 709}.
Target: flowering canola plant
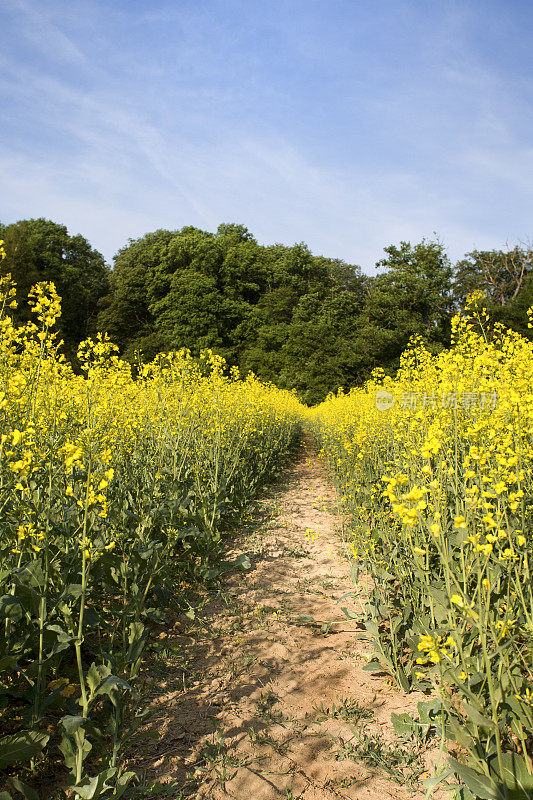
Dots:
{"x": 438, "y": 486}
{"x": 114, "y": 490}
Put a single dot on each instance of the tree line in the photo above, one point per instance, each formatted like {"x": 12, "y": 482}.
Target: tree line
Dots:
{"x": 302, "y": 321}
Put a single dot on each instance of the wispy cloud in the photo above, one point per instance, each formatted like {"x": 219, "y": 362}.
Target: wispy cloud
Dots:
{"x": 39, "y": 29}
{"x": 114, "y": 149}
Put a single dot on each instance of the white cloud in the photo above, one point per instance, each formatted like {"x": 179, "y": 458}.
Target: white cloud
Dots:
{"x": 117, "y": 169}
{"x": 266, "y": 185}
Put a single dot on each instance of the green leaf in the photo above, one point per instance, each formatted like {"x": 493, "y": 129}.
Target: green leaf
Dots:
{"x": 11, "y": 608}
{"x": 29, "y": 598}
{"x": 110, "y": 684}
{"x": 122, "y": 783}
{"x": 8, "y": 663}
{"x": 373, "y": 629}
{"x": 73, "y": 740}
{"x": 92, "y": 788}
{"x": 72, "y": 723}
{"x": 137, "y": 638}
{"x": 72, "y": 592}
{"x": 431, "y": 783}
{"x": 403, "y": 724}
{"x": 63, "y": 640}
{"x": 481, "y": 786}
{"x": 31, "y": 574}
{"x": 350, "y": 614}
{"x": 401, "y": 677}
{"x": 439, "y": 596}
{"x": 428, "y": 710}
{"x": 21, "y": 747}
{"x": 26, "y": 791}
{"x": 459, "y": 734}
{"x": 478, "y": 718}
{"x": 375, "y": 666}
{"x": 514, "y": 775}
{"x": 95, "y": 676}
{"x": 155, "y": 614}
{"x": 518, "y": 712}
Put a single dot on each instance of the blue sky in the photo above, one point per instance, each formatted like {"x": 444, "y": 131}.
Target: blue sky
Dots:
{"x": 347, "y": 124}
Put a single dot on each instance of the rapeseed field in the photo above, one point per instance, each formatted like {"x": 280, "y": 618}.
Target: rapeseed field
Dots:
{"x": 434, "y": 469}
{"x": 116, "y": 484}
{"x": 114, "y": 491}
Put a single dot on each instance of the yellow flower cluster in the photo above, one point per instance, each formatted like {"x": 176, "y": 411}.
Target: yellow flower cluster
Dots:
{"x": 116, "y": 487}
{"x": 435, "y": 648}
{"x": 435, "y": 468}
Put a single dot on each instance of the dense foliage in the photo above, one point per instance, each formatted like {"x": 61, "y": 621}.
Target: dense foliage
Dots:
{"x": 41, "y": 250}
{"x": 278, "y": 311}
{"x": 302, "y": 321}
{"x": 435, "y": 470}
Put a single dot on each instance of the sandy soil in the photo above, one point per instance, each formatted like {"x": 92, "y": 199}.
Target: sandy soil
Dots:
{"x": 263, "y": 695}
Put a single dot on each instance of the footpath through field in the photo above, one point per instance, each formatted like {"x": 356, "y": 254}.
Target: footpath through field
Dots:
{"x": 263, "y": 696}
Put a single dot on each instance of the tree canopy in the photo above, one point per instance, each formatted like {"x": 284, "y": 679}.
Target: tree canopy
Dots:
{"x": 304, "y": 322}
{"x": 270, "y": 309}
{"x": 42, "y": 250}
{"x": 498, "y": 274}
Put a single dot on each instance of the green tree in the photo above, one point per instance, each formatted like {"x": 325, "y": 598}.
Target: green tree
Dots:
{"x": 289, "y": 316}
{"x": 42, "y": 250}
{"x": 413, "y": 297}
{"x": 127, "y": 317}
{"x": 499, "y": 274}
{"x": 318, "y": 355}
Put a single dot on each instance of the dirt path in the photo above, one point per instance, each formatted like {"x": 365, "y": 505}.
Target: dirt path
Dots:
{"x": 263, "y": 695}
